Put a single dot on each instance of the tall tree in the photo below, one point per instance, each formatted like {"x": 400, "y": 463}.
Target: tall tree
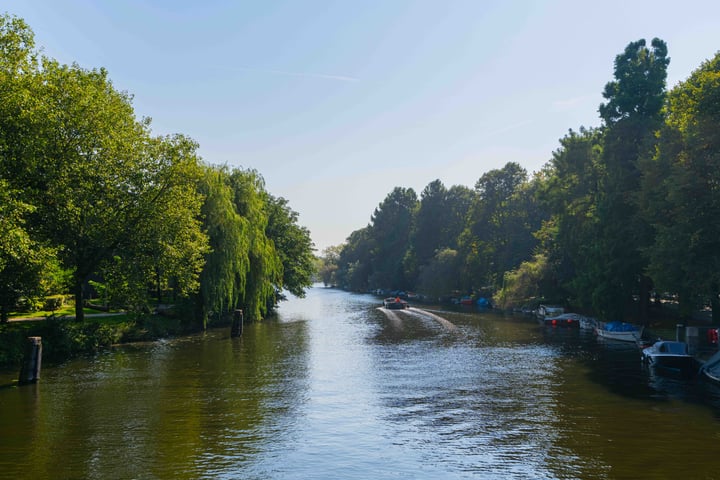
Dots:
{"x": 23, "y": 261}
{"x": 265, "y": 262}
{"x": 224, "y": 275}
{"x": 355, "y": 260}
{"x": 569, "y": 192}
{"x": 391, "y": 223}
{"x": 293, "y": 244}
{"x": 632, "y": 114}
{"x": 490, "y": 239}
{"x": 681, "y": 194}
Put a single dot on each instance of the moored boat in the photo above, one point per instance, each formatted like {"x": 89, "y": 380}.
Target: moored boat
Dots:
{"x": 669, "y": 355}
{"x": 588, "y": 323}
{"x": 711, "y": 368}
{"x": 562, "y": 320}
{"x": 466, "y": 300}
{"x": 622, "y": 331}
{"x": 545, "y": 311}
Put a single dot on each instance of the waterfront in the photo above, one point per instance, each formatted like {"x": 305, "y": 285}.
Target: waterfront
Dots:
{"x": 334, "y": 388}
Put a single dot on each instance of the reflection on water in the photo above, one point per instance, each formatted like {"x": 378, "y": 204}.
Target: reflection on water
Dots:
{"x": 337, "y": 388}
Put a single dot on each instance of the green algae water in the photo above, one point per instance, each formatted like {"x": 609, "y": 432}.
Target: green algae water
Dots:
{"x": 334, "y": 388}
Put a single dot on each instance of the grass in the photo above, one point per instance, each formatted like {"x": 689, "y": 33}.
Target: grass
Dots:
{"x": 65, "y": 311}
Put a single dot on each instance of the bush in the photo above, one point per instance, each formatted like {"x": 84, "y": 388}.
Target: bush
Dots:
{"x": 28, "y": 304}
{"x": 54, "y": 302}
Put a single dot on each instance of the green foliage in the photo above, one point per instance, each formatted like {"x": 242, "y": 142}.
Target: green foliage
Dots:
{"x": 87, "y": 193}
{"x": 54, "y": 302}
{"x": 681, "y": 197}
{"x": 501, "y": 220}
{"x": 439, "y": 276}
{"x": 328, "y": 265}
{"x": 293, "y": 245}
{"x": 23, "y": 261}
{"x": 390, "y": 231}
{"x": 525, "y": 284}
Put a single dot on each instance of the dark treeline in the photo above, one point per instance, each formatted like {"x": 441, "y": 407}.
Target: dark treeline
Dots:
{"x": 620, "y": 213}
{"x": 88, "y": 196}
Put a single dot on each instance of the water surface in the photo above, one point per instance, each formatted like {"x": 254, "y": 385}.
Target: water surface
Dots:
{"x": 335, "y": 388}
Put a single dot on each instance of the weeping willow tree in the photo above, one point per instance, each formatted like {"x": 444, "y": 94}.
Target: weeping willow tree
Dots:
{"x": 265, "y": 262}
{"x": 223, "y": 278}
{"x": 243, "y": 266}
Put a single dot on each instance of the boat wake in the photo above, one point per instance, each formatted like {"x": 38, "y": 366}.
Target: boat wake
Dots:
{"x": 392, "y": 316}
{"x": 442, "y": 321}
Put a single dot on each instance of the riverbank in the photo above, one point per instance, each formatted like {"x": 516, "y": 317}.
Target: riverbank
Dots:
{"x": 63, "y": 338}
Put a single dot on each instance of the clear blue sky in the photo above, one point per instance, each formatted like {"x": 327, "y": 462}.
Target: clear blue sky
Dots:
{"x": 337, "y": 102}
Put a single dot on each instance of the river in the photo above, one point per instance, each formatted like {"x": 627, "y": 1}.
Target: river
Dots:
{"x": 334, "y": 388}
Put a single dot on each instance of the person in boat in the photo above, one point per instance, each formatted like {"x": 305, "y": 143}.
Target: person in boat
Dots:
{"x": 397, "y": 300}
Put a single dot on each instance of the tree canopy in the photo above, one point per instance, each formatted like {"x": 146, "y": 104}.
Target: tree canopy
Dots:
{"x": 96, "y": 194}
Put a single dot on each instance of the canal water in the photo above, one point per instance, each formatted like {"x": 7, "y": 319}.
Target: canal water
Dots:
{"x": 335, "y": 388}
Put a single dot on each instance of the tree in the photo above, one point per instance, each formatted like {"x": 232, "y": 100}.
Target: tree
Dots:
{"x": 23, "y": 261}
{"x": 168, "y": 245}
{"x": 429, "y": 227}
{"x": 224, "y": 275}
{"x": 293, "y": 244}
{"x": 439, "y": 276}
{"x": 681, "y": 192}
{"x": 329, "y": 264}
{"x": 265, "y": 263}
{"x": 492, "y": 243}
{"x": 631, "y": 115}
{"x": 569, "y": 192}
{"x": 355, "y": 260}
{"x": 390, "y": 231}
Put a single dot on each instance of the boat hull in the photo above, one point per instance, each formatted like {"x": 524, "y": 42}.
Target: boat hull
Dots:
{"x": 672, "y": 362}
{"x": 571, "y": 320}
{"x": 395, "y": 304}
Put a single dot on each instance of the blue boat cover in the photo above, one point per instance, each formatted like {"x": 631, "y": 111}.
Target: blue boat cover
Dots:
{"x": 620, "y": 327}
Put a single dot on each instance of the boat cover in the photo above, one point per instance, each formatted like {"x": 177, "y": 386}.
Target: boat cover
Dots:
{"x": 620, "y": 327}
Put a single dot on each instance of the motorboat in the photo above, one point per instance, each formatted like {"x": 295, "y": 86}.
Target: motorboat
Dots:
{"x": 588, "y": 323}
{"x": 545, "y": 311}
{"x": 711, "y": 368}
{"x": 622, "y": 331}
{"x": 395, "y": 303}
{"x": 670, "y": 355}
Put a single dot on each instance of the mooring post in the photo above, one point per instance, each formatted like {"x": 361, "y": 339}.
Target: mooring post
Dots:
{"x": 237, "y": 324}
{"x": 680, "y": 332}
{"x": 30, "y": 370}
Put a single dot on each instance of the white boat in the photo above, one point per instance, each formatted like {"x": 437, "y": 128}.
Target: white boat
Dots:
{"x": 546, "y": 311}
{"x": 669, "y": 355}
{"x": 711, "y": 368}
{"x": 588, "y": 323}
{"x": 622, "y": 331}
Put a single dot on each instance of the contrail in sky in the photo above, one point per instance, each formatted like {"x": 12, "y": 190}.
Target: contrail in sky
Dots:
{"x": 341, "y": 78}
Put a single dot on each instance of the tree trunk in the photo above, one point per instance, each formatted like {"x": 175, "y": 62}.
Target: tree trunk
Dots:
{"x": 715, "y": 305}
{"x": 157, "y": 286}
{"x": 644, "y": 299}
{"x": 685, "y": 306}
{"x": 79, "y": 301}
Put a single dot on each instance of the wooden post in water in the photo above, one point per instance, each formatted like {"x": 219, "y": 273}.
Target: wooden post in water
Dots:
{"x": 680, "y": 332}
{"x": 30, "y": 371}
{"x": 237, "y": 324}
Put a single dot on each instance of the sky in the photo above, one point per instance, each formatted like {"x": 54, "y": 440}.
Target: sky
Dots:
{"x": 337, "y": 102}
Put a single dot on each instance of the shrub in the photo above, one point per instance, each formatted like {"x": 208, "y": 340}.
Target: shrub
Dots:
{"x": 53, "y": 302}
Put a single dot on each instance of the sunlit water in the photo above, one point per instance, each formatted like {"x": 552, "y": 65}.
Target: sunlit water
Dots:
{"x": 335, "y": 388}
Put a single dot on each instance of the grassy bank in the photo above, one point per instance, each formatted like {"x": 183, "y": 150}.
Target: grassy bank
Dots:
{"x": 64, "y": 338}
